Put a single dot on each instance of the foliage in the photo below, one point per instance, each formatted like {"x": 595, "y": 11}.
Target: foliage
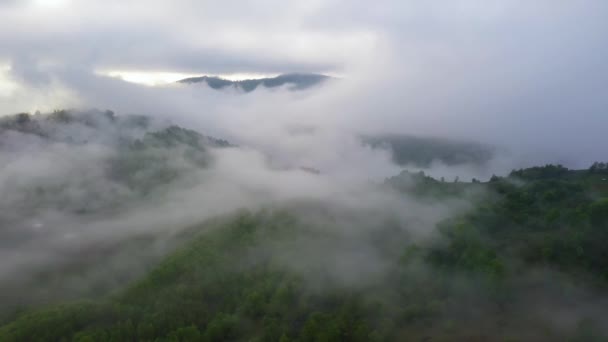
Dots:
{"x": 274, "y": 275}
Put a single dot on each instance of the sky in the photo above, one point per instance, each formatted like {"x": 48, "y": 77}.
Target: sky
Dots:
{"x": 526, "y": 76}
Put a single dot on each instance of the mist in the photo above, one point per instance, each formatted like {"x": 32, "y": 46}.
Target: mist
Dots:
{"x": 104, "y": 178}
{"x": 525, "y": 77}
{"x": 72, "y": 195}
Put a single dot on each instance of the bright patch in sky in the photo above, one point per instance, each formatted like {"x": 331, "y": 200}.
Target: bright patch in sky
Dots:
{"x": 155, "y": 78}
{"x": 146, "y": 77}
{"x": 7, "y": 86}
{"x": 50, "y": 3}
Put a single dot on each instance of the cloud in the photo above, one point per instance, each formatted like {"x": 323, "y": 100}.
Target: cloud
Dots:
{"x": 63, "y": 210}
{"x": 525, "y": 76}
{"x": 261, "y": 36}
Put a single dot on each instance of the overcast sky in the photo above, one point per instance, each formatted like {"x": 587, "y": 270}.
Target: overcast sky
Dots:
{"x": 530, "y": 75}
{"x": 272, "y": 36}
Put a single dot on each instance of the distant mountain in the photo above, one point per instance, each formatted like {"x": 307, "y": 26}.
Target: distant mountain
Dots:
{"x": 422, "y": 151}
{"x": 294, "y": 81}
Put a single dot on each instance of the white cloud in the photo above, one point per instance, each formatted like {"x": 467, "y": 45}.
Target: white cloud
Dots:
{"x": 526, "y": 75}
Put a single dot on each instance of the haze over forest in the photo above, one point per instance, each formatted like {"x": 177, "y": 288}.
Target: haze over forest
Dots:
{"x": 325, "y": 170}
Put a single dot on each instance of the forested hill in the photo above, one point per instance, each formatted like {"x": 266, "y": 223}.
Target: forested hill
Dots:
{"x": 92, "y": 161}
{"x": 292, "y": 81}
{"x": 95, "y": 126}
{"x": 526, "y": 262}
{"x": 410, "y": 150}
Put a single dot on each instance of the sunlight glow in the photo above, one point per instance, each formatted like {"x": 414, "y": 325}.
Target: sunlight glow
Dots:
{"x": 158, "y": 78}
{"x": 7, "y": 85}
{"x": 149, "y": 78}
{"x": 50, "y": 3}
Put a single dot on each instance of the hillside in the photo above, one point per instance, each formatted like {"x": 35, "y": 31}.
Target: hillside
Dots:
{"x": 529, "y": 250}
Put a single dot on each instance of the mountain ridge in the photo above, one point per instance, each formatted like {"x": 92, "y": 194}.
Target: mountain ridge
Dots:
{"x": 295, "y": 81}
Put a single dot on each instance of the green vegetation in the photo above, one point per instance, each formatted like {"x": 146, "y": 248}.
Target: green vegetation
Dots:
{"x": 253, "y": 276}
{"x": 517, "y": 258}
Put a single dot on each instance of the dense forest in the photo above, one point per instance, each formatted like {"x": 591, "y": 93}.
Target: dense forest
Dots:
{"x": 519, "y": 257}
